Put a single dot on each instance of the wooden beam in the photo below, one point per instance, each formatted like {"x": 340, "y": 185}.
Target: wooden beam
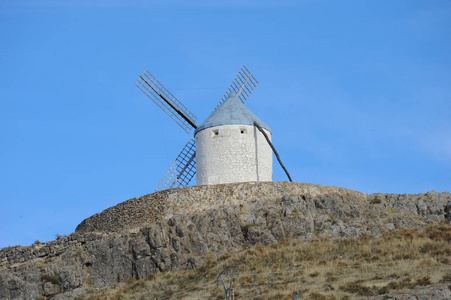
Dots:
{"x": 273, "y": 149}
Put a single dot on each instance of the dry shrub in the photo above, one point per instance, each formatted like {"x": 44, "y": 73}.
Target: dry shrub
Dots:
{"x": 314, "y": 274}
{"x": 375, "y": 200}
{"x": 392, "y": 285}
{"x": 445, "y": 260}
{"x": 51, "y": 278}
{"x": 430, "y": 248}
{"x": 260, "y": 248}
{"x": 439, "y": 233}
{"x": 428, "y": 262}
{"x": 328, "y": 287}
{"x": 405, "y": 282}
{"x": 342, "y": 264}
{"x": 225, "y": 256}
{"x": 446, "y": 278}
{"x": 282, "y": 296}
{"x": 383, "y": 290}
{"x": 216, "y": 293}
{"x": 357, "y": 288}
{"x": 317, "y": 296}
{"x": 426, "y": 280}
{"x": 119, "y": 297}
{"x": 331, "y": 279}
{"x": 136, "y": 286}
{"x": 151, "y": 276}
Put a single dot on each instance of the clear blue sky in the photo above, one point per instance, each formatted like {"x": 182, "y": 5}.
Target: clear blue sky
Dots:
{"x": 357, "y": 93}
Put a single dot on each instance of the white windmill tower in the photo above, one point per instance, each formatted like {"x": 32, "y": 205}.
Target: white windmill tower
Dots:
{"x": 229, "y": 148}
{"x": 233, "y": 145}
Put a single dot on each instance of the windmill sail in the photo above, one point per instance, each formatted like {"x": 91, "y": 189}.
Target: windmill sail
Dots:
{"x": 242, "y": 86}
{"x": 182, "y": 170}
{"x": 184, "y": 167}
{"x": 166, "y": 101}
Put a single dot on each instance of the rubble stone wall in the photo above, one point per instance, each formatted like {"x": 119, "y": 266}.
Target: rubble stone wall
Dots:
{"x": 188, "y": 200}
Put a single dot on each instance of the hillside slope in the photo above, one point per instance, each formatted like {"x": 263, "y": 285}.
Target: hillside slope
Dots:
{"x": 178, "y": 229}
{"x": 408, "y": 264}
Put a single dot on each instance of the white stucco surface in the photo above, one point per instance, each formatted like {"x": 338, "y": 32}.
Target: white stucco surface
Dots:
{"x": 232, "y": 156}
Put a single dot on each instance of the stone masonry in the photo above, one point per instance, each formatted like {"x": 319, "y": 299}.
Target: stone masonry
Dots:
{"x": 188, "y": 200}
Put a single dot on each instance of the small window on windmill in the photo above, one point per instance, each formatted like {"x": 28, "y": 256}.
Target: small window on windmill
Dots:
{"x": 243, "y": 130}
{"x": 215, "y": 132}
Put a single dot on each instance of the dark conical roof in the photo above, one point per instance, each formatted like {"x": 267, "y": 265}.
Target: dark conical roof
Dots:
{"x": 231, "y": 112}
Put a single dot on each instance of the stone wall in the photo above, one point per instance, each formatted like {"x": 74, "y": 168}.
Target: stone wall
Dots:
{"x": 188, "y": 200}
{"x": 19, "y": 254}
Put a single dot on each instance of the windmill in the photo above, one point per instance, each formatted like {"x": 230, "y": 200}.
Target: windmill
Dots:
{"x": 184, "y": 167}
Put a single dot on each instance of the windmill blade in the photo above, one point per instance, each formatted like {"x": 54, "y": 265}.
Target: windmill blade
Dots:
{"x": 182, "y": 170}
{"x": 242, "y": 86}
{"x": 166, "y": 101}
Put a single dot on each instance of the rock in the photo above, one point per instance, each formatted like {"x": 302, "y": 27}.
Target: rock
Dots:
{"x": 433, "y": 292}
{"x": 176, "y": 228}
{"x": 448, "y": 212}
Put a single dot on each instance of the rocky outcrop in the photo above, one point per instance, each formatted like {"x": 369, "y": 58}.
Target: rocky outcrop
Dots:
{"x": 174, "y": 230}
{"x": 434, "y": 292}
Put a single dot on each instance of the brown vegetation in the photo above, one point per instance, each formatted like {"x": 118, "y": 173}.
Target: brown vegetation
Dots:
{"x": 320, "y": 269}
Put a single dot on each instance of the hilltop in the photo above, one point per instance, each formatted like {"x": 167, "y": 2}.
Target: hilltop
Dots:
{"x": 184, "y": 229}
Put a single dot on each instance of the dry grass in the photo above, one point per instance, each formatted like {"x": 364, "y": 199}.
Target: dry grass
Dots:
{"x": 321, "y": 269}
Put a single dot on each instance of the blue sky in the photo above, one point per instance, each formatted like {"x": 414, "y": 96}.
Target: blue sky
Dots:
{"x": 357, "y": 94}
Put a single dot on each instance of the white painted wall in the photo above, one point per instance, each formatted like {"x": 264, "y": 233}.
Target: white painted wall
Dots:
{"x": 231, "y": 156}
